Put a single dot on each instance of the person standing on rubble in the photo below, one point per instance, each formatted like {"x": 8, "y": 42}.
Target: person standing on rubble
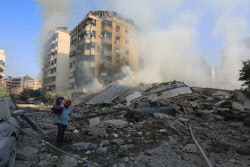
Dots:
{"x": 62, "y": 121}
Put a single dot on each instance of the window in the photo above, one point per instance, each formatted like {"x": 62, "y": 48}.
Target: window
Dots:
{"x": 108, "y": 58}
{"x": 126, "y": 63}
{"x": 117, "y": 28}
{"x": 126, "y": 31}
{"x": 107, "y": 35}
{"x": 88, "y": 46}
{"x": 118, "y": 61}
{"x": 126, "y": 52}
{"x": 126, "y": 41}
{"x": 89, "y": 58}
{"x": 108, "y": 47}
{"x": 117, "y": 50}
{"x": 117, "y": 39}
{"x": 107, "y": 23}
{"x": 94, "y": 34}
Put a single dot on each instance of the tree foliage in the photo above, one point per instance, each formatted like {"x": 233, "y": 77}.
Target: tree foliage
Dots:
{"x": 29, "y": 93}
{"x": 245, "y": 74}
{"x": 4, "y": 93}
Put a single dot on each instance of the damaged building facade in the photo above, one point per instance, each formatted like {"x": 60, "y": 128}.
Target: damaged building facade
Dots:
{"x": 2, "y": 63}
{"x": 18, "y": 84}
{"x": 101, "y": 45}
{"x": 56, "y": 61}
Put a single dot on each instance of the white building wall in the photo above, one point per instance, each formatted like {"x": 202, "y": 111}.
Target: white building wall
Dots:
{"x": 62, "y": 64}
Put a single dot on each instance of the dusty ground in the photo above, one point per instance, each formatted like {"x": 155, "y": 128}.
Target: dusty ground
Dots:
{"x": 223, "y": 134}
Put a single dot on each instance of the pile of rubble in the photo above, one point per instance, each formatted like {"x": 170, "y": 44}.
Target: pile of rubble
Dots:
{"x": 146, "y": 125}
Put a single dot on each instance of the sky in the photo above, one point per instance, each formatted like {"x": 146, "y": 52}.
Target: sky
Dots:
{"x": 21, "y": 22}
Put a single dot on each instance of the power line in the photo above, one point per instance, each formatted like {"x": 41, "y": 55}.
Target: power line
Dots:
{"x": 92, "y": 4}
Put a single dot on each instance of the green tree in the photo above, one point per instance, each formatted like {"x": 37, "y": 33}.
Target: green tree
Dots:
{"x": 4, "y": 93}
{"x": 29, "y": 93}
{"x": 245, "y": 74}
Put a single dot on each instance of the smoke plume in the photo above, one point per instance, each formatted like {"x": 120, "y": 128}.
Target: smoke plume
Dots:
{"x": 170, "y": 40}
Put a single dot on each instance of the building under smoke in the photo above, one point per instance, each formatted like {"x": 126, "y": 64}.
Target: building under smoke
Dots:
{"x": 101, "y": 44}
{"x": 56, "y": 61}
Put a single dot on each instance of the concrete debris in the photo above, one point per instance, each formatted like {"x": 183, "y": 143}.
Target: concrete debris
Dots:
{"x": 146, "y": 125}
{"x": 238, "y": 106}
{"x": 102, "y": 150}
{"x": 116, "y": 123}
{"x": 117, "y": 141}
{"x": 190, "y": 148}
{"x": 247, "y": 104}
{"x": 79, "y": 146}
{"x": 161, "y": 115}
{"x": 105, "y": 143}
{"x": 94, "y": 122}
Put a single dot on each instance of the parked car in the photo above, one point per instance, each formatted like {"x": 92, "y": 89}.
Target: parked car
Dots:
{"x": 8, "y": 133}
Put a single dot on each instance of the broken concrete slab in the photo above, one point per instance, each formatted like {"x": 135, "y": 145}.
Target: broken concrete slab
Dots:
{"x": 66, "y": 161}
{"x": 97, "y": 132}
{"x": 223, "y": 104}
{"x": 94, "y": 122}
{"x": 115, "y": 123}
{"x": 79, "y": 146}
{"x": 194, "y": 104}
{"x": 109, "y": 94}
{"x": 117, "y": 141}
{"x": 105, "y": 143}
{"x": 183, "y": 120}
{"x": 102, "y": 150}
{"x": 206, "y": 112}
{"x": 247, "y": 104}
{"x": 238, "y": 106}
{"x": 161, "y": 116}
{"x": 190, "y": 148}
{"x": 26, "y": 153}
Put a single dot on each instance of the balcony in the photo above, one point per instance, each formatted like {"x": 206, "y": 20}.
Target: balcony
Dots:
{"x": 52, "y": 83}
{"x": 2, "y": 67}
{"x": 107, "y": 64}
{"x": 71, "y": 80}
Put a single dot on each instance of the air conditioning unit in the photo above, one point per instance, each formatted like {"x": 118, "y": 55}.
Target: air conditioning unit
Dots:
{"x": 100, "y": 36}
{"x": 84, "y": 36}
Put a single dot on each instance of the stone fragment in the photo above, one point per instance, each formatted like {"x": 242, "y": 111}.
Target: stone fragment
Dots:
{"x": 247, "y": 104}
{"x": 147, "y": 152}
{"x": 115, "y": 123}
{"x": 127, "y": 147}
{"x": 161, "y": 115}
{"x": 98, "y": 132}
{"x": 237, "y": 124}
{"x": 66, "y": 161}
{"x": 190, "y": 148}
{"x": 206, "y": 112}
{"x": 27, "y": 153}
{"x": 194, "y": 104}
{"x": 183, "y": 120}
{"x": 223, "y": 109}
{"x": 102, "y": 150}
{"x": 163, "y": 131}
{"x": 218, "y": 118}
{"x": 105, "y": 143}
{"x": 117, "y": 141}
{"x": 94, "y": 122}
{"x": 125, "y": 160}
{"x": 79, "y": 146}
{"x": 238, "y": 106}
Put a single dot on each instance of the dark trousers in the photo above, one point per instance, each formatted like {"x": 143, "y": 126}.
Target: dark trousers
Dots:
{"x": 60, "y": 134}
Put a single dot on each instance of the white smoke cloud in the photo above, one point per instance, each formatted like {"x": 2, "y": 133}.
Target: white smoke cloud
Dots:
{"x": 170, "y": 42}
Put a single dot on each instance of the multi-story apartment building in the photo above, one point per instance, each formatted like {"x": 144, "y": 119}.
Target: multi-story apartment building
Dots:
{"x": 7, "y": 84}
{"x": 101, "y": 44}
{"x": 2, "y": 63}
{"x": 56, "y": 61}
{"x": 19, "y": 84}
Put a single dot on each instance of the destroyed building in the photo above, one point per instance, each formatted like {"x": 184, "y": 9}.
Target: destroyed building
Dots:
{"x": 2, "y": 63}
{"x": 56, "y": 61}
{"x": 101, "y": 44}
